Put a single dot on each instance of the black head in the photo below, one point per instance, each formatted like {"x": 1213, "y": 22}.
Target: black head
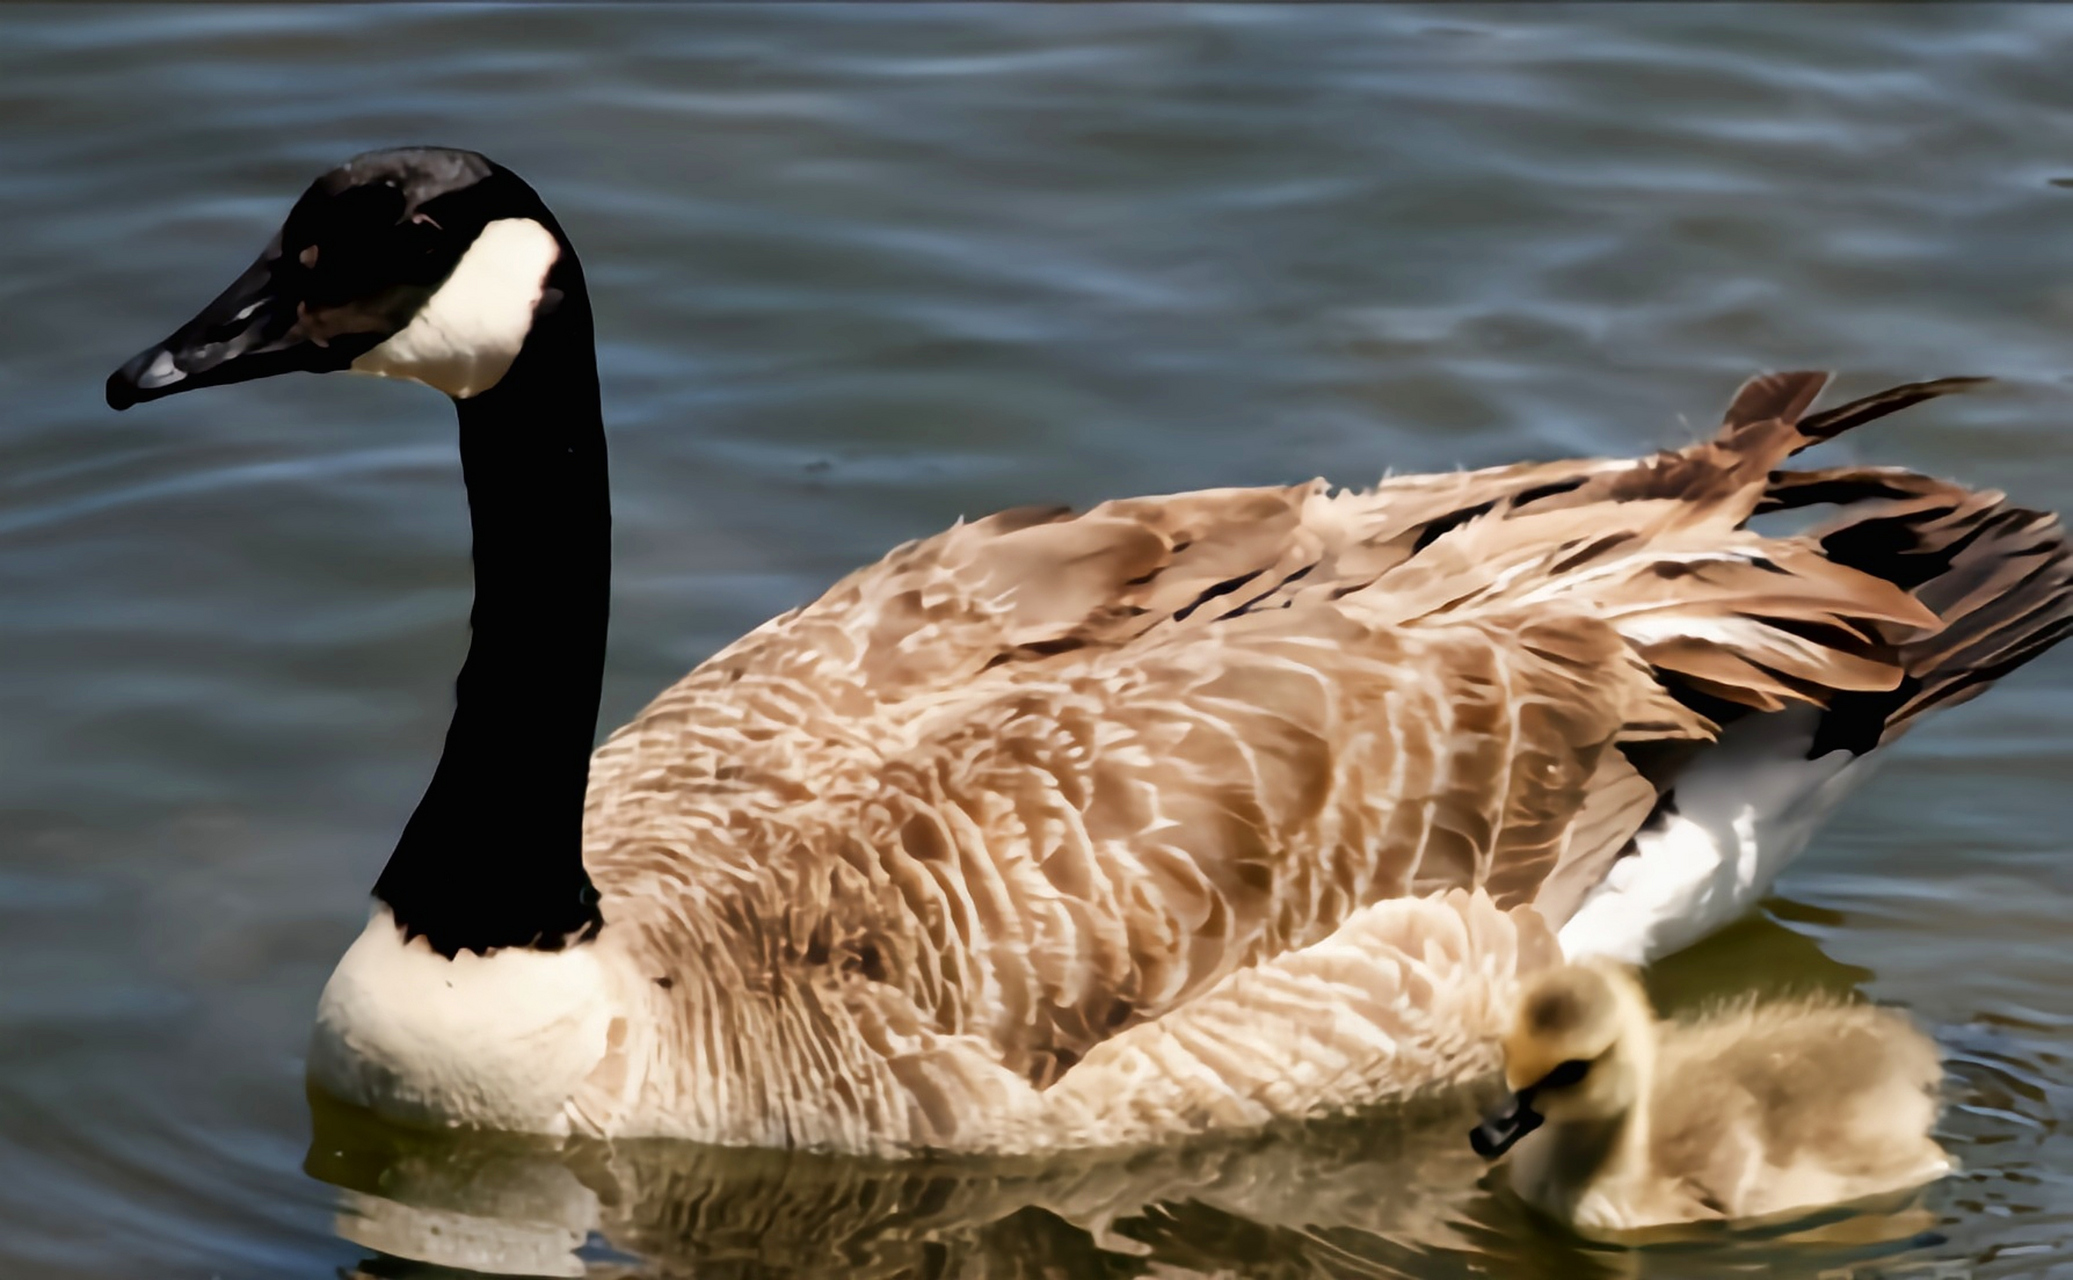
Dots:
{"x": 361, "y": 255}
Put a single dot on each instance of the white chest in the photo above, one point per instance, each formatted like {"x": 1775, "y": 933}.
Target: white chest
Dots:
{"x": 1744, "y": 809}
{"x": 502, "y": 1041}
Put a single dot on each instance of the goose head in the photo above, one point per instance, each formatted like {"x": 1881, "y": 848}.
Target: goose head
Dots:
{"x": 1577, "y": 1052}
{"x": 422, "y": 263}
{"x": 444, "y": 268}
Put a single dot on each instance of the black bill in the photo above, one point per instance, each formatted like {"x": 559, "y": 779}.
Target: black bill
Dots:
{"x": 1505, "y": 1126}
{"x": 254, "y": 329}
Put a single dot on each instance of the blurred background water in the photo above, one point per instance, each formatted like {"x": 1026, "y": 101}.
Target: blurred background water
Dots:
{"x": 859, "y": 271}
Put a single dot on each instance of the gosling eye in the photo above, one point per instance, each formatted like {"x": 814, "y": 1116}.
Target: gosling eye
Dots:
{"x": 1565, "y": 1075}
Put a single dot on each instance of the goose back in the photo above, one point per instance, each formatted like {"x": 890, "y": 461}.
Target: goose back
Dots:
{"x": 1046, "y": 779}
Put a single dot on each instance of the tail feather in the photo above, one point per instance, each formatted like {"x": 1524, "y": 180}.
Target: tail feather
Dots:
{"x": 1998, "y": 577}
{"x": 1919, "y": 594}
{"x": 1766, "y": 423}
{"x": 1830, "y": 423}
{"x": 1802, "y": 700}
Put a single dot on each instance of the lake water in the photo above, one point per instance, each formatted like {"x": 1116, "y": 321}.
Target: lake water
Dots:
{"x": 859, "y": 271}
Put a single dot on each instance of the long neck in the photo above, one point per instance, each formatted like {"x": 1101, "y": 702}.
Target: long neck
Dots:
{"x": 493, "y": 856}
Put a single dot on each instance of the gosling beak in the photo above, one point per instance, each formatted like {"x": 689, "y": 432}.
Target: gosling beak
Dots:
{"x": 1505, "y": 1126}
{"x": 252, "y": 330}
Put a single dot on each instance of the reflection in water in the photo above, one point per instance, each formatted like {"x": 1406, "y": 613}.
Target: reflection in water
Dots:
{"x": 524, "y": 1207}
{"x": 1390, "y": 1193}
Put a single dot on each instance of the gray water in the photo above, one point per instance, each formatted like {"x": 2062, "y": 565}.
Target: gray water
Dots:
{"x": 859, "y": 271}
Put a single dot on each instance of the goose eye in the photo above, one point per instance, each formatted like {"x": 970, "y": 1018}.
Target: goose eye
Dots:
{"x": 1565, "y": 1075}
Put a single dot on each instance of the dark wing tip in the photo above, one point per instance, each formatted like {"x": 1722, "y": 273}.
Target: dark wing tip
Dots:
{"x": 1830, "y": 423}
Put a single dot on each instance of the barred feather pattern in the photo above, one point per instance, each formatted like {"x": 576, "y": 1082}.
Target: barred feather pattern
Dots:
{"x": 1201, "y": 811}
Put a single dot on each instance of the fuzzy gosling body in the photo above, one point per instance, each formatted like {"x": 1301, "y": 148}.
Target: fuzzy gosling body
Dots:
{"x": 1750, "y": 1111}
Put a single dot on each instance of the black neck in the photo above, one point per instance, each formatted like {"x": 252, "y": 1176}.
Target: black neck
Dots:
{"x": 493, "y": 856}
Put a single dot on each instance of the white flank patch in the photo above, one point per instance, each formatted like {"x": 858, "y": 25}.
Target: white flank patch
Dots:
{"x": 467, "y": 334}
{"x": 1745, "y": 808}
{"x": 496, "y": 1042}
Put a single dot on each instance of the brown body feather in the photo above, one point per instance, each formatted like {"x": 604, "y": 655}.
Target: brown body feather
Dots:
{"x": 1195, "y": 811}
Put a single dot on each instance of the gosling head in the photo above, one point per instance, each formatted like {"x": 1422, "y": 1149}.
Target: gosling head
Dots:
{"x": 422, "y": 263}
{"x": 1571, "y": 1054}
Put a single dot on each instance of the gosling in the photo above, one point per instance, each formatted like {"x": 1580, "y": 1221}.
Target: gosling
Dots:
{"x": 1753, "y": 1111}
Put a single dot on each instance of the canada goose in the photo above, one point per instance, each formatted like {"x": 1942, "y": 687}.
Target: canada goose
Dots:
{"x": 1185, "y": 813}
{"x": 1752, "y": 1111}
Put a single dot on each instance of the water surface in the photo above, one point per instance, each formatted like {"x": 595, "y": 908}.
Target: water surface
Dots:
{"x": 859, "y": 271}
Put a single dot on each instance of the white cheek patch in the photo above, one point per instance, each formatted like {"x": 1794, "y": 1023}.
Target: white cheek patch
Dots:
{"x": 463, "y": 340}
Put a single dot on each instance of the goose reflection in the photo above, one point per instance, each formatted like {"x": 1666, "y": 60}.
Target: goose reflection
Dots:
{"x": 1391, "y": 1192}
{"x": 1404, "y": 1183}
